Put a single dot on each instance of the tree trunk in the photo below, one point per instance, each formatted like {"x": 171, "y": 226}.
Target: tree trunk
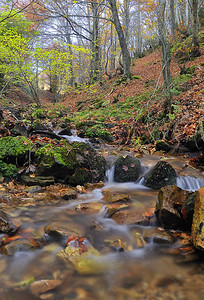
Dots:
{"x": 166, "y": 55}
{"x": 113, "y": 49}
{"x": 195, "y": 42}
{"x": 69, "y": 42}
{"x": 173, "y": 22}
{"x": 96, "y": 61}
{"x": 138, "y": 24}
{"x": 126, "y": 19}
{"x": 122, "y": 41}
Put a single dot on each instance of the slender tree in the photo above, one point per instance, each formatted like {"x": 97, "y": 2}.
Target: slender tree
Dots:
{"x": 166, "y": 55}
{"x": 122, "y": 40}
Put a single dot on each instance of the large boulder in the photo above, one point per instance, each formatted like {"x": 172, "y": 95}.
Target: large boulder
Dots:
{"x": 162, "y": 174}
{"x": 198, "y": 220}
{"x": 76, "y": 163}
{"x": 174, "y": 207}
{"x": 127, "y": 169}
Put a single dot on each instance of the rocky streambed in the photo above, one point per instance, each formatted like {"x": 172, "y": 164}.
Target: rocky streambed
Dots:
{"x": 126, "y": 237}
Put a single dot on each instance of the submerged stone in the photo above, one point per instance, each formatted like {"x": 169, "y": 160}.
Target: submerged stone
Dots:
{"x": 89, "y": 208}
{"x": 82, "y": 255}
{"x": 198, "y": 220}
{"x": 127, "y": 169}
{"x": 18, "y": 245}
{"x": 42, "y": 286}
{"x": 158, "y": 236}
{"x": 161, "y": 175}
{"x": 116, "y": 245}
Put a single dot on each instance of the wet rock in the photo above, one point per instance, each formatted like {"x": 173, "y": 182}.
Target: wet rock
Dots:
{"x": 98, "y": 185}
{"x": 34, "y": 189}
{"x": 161, "y": 175}
{"x": 129, "y": 216}
{"x": 38, "y": 180}
{"x": 42, "y": 286}
{"x": 139, "y": 240}
{"x": 75, "y": 163}
{"x": 198, "y": 220}
{"x": 127, "y": 169}
{"x": 115, "y": 197}
{"x": 70, "y": 194}
{"x": 158, "y": 236}
{"x": 56, "y": 233}
{"x": 162, "y": 145}
{"x": 113, "y": 207}
{"x": 187, "y": 209}
{"x": 65, "y": 131}
{"x": 18, "y": 245}
{"x": 6, "y": 223}
{"x": 168, "y": 207}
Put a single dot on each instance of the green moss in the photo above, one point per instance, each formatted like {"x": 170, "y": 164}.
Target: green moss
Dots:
{"x": 135, "y": 77}
{"x": 13, "y": 147}
{"x": 48, "y": 154}
{"x": 98, "y": 131}
{"x": 7, "y": 170}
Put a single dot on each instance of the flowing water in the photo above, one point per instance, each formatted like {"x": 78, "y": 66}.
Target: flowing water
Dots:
{"x": 151, "y": 272}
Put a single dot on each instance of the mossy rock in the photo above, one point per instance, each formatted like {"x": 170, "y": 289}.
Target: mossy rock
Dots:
{"x": 75, "y": 163}
{"x": 162, "y": 145}
{"x": 90, "y": 130}
{"x": 127, "y": 169}
{"x": 162, "y": 174}
{"x": 13, "y": 153}
{"x": 7, "y": 170}
{"x": 14, "y": 149}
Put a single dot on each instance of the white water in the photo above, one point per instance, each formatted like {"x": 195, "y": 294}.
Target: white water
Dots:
{"x": 189, "y": 183}
{"x": 110, "y": 174}
{"x": 74, "y": 138}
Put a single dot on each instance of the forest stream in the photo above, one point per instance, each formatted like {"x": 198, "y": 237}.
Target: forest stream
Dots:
{"x": 124, "y": 261}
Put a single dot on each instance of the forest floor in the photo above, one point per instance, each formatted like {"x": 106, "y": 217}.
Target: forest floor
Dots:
{"x": 136, "y": 107}
{"x": 133, "y": 111}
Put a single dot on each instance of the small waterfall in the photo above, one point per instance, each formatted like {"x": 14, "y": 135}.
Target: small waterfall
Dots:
{"x": 141, "y": 180}
{"x": 189, "y": 183}
{"x": 110, "y": 174}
